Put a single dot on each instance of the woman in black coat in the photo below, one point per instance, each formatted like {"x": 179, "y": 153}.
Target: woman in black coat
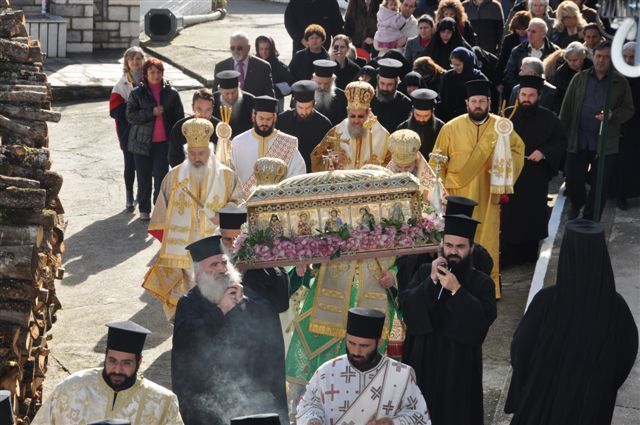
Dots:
{"x": 518, "y": 33}
{"x": 446, "y": 38}
{"x": 266, "y": 49}
{"x": 152, "y": 110}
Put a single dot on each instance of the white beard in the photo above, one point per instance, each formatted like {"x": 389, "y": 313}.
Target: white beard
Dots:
{"x": 235, "y": 107}
{"x": 197, "y": 173}
{"x": 213, "y": 287}
{"x": 355, "y": 132}
{"x": 324, "y": 98}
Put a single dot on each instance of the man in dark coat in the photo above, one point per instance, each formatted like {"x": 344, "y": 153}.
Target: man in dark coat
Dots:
{"x": 448, "y": 309}
{"x": 299, "y": 14}
{"x": 422, "y": 119}
{"x": 390, "y": 105}
{"x": 202, "y": 106}
{"x": 304, "y": 121}
{"x": 525, "y": 217}
{"x": 230, "y": 95}
{"x": 330, "y": 101}
{"x": 224, "y": 360}
{"x": 577, "y": 342}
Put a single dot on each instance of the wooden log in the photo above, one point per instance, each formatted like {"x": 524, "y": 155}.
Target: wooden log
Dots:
{"x": 24, "y": 156}
{"x": 21, "y": 235}
{"x": 18, "y": 290}
{"x": 19, "y": 52}
{"x": 40, "y": 88}
{"x": 29, "y": 113}
{"x": 15, "y": 312}
{"x": 18, "y": 67}
{"x": 13, "y": 197}
{"x": 23, "y": 75}
{"x": 53, "y": 203}
{"x": 11, "y": 138}
{"x": 36, "y": 130}
{"x": 51, "y": 182}
{"x": 6, "y": 181}
{"x": 25, "y": 96}
{"x": 9, "y": 335}
{"x": 17, "y": 262}
{"x": 12, "y": 23}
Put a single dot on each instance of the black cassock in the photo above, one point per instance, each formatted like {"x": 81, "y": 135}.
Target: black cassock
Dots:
{"x": 242, "y": 122}
{"x": 337, "y": 110}
{"x": 230, "y": 365}
{"x": 525, "y": 217}
{"x": 309, "y": 132}
{"x": 428, "y": 133}
{"x": 391, "y": 114}
{"x": 444, "y": 343}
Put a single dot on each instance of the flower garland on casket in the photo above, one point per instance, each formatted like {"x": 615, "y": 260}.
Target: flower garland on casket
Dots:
{"x": 261, "y": 245}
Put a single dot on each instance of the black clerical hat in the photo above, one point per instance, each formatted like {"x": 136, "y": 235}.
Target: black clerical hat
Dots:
{"x": 261, "y": 419}
{"x": 265, "y": 104}
{"x": 478, "y": 88}
{"x": 126, "y": 336}
{"x": 304, "y": 90}
{"x": 205, "y": 248}
{"x": 111, "y": 422}
{"x": 460, "y": 205}
{"x": 228, "y": 79}
{"x": 532, "y": 81}
{"x": 368, "y": 70}
{"x": 424, "y": 99}
{"x": 412, "y": 78}
{"x": 365, "y": 323}
{"x": 460, "y": 225}
{"x": 6, "y": 413}
{"x": 324, "y": 67}
{"x": 389, "y": 68}
{"x": 232, "y": 217}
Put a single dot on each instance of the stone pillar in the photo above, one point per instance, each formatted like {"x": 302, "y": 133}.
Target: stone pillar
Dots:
{"x": 117, "y": 24}
{"x": 80, "y": 29}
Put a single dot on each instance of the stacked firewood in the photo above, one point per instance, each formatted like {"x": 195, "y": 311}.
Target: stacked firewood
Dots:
{"x": 31, "y": 216}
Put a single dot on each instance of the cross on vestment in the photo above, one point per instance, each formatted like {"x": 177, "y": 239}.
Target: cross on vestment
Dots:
{"x": 399, "y": 366}
{"x": 348, "y": 374}
{"x": 345, "y": 406}
{"x": 388, "y": 408}
{"x": 182, "y": 203}
{"x": 332, "y": 392}
{"x": 376, "y": 392}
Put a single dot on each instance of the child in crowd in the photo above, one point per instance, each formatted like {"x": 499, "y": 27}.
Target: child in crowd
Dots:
{"x": 390, "y": 23}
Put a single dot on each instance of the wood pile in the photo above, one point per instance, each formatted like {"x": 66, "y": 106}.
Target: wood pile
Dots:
{"x": 31, "y": 216}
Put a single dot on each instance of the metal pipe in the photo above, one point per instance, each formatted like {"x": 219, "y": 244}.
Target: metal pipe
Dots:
{"x": 164, "y": 25}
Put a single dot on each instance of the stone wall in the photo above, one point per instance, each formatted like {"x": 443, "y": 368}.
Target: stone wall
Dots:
{"x": 80, "y": 28}
{"x": 116, "y": 23}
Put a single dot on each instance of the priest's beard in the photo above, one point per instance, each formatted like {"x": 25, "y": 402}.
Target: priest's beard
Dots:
{"x": 355, "y": 132}
{"x": 364, "y": 363}
{"x": 235, "y": 107}
{"x": 528, "y": 107}
{"x": 325, "y": 97}
{"x": 478, "y": 114}
{"x": 212, "y": 286}
{"x": 457, "y": 265}
{"x": 263, "y": 131}
{"x": 126, "y": 383}
{"x": 385, "y": 96}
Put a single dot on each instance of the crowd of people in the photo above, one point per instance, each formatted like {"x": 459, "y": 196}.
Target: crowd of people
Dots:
{"x": 499, "y": 106}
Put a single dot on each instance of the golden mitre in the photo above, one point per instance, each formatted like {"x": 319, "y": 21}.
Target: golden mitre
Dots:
{"x": 198, "y": 132}
{"x": 359, "y": 95}
{"x": 270, "y": 170}
{"x": 404, "y": 146}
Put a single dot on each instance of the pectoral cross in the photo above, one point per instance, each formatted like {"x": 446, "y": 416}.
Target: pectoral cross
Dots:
{"x": 436, "y": 195}
{"x": 327, "y": 160}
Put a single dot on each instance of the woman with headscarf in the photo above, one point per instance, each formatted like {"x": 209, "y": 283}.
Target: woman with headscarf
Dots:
{"x": 410, "y": 82}
{"x": 266, "y": 49}
{"x": 455, "y": 10}
{"x": 453, "y": 93}
{"x": 577, "y": 342}
{"x": 446, "y": 38}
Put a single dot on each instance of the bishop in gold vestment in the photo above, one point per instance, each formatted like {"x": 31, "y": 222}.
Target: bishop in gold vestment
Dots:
{"x": 469, "y": 141}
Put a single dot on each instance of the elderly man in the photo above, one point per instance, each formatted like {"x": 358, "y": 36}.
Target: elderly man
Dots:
{"x": 476, "y": 147}
{"x": 217, "y": 334}
{"x": 115, "y": 390}
{"x": 548, "y": 94}
{"x": 582, "y": 116}
{"x": 391, "y": 106}
{"x": 232, "y": 104}
{"x": 537, "y": 46}
{"x": 357, "y": 140}
{"x": 410, "y": 28}
{"x": 363, "y": 386}
{"x": 422, "y": 119}
{"x": 330, "y": 100}
{"x": 304, "y": 121}
{"x": 255, "y": 73}
{"x": 190, "y": 197}
{"x": 264, "y": 141}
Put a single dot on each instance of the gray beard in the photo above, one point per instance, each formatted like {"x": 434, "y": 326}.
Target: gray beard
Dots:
{"x": 197, "y": 173}
{"x": 355, "y": 132}
{"x": 384, "y": 97}
{"x": 212, "y": 287}
{"x": 324, "y": 98}
{"x": 235, "y": 107}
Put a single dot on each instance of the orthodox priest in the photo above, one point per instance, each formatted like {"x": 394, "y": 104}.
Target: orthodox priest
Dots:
{"x": 264, "y": 141}
{"x": 303, "y": 121}
{"x": 423, "y": 120}
{"x": 115, "y": 391}
{"x": 577, "y": 342}
{"x": 485, "y": 159}
{"x": 448, "y": 308}
{"x": 390, "y": 105}
{"x": 363, "y": 386}
{"x": 221, "y": 365}
{"x": 186, "y": 210}
{"x": 330, "y": 100}
{"x": 544, "y": 145}
{"x": 232, "y": 104}
{"x": 358, "y": 140}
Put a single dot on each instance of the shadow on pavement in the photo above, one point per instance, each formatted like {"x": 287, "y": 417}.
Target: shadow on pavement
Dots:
{"x": 102, "y": 245}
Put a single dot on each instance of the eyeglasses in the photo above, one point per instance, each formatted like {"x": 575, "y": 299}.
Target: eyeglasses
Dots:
{"x": 357, "y": 116}
{"x": 238, "y": 48}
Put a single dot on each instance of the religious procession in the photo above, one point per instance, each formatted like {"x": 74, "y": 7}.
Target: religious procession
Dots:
{"x": 331, "y": 235}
